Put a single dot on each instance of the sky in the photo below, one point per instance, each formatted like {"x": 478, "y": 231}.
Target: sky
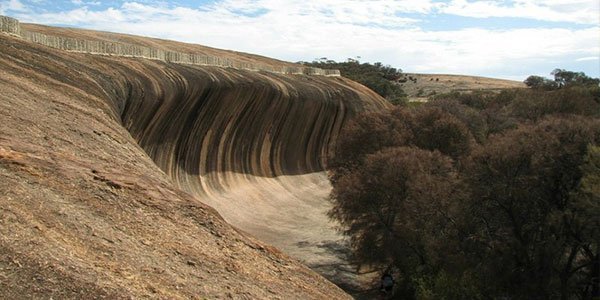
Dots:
{"x": 509, "y": 39}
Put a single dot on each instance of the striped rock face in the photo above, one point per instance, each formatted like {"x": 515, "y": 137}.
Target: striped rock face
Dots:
{"x": 110, "y": 168}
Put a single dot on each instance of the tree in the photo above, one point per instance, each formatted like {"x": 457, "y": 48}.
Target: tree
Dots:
{"x": 435, "y": 129}
{"x": 378, "y": 77}
{"x": 565, "y": 78}
{"x": 562, "y": 78}
{"x": 393, "y": 181}
{"x": 394, "y": 206}
{"x": 586, "y": 207}
{"x": 427, "y": 127}
{"x": 366, "y": 134}
{"x": 538, "y": 82}
{"x": 472, "y": 118}
{"x": 573, "y": 99}
{"x": 512, "y": 216}
{"x": 526, "y": 231}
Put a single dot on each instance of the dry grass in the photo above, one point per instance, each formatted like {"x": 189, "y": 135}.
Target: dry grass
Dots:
{"x": 425, "y": 85}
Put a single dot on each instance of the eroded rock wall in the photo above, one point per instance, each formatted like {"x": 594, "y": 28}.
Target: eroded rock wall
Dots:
{"x": 86, "y": 211}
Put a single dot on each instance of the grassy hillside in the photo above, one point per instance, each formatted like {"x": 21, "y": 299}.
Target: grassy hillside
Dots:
{"x": 419, "y": 87}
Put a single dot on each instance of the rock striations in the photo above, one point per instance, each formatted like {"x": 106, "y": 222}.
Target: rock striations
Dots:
{"x": 107, "y": 164}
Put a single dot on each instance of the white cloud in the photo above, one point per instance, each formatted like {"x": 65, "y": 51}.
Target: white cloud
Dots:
{"x": 589, "y": 58}
{"x": 376, "y": 12}
{"x": 12, "y": 5}
{"x": 81, "y": 16}
{"x": 81, "y": 2}
{"x": 303, "y": 30}
{"x": 574, "y": 11}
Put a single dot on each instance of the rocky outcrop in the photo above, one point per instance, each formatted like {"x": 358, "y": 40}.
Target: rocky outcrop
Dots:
{"x": 107, "y": 163}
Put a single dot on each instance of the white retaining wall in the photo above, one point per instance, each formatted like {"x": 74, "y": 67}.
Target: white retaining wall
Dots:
{"x": 12, "y": 26}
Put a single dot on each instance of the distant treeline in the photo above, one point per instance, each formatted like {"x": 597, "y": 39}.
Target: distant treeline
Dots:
{"x": 478, "y": 195}
{"x": 562, "y": 78}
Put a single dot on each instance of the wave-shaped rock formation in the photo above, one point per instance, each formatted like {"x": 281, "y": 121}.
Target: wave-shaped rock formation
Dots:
{"x": 107, "y": 164}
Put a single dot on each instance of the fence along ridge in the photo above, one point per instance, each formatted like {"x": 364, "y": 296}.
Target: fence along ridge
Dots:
{"x": 13, "y": 27}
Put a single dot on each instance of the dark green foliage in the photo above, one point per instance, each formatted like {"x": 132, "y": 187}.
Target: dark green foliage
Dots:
{"x": 539, "y": 82}
{"x": 469, "y": 116}
{"x": 562, "y": 78}
{"x": 586, "y": 205}
{"x": 379, "y": 78}
{"x": 381, "y": 212}
{"x": 504, "y": 110}
{"x": 479, "y": 195}
{"x": 427, "y": 127}
{"x": 521, "y": 190}
{"x": 565, "y": 78}
{"x": 435, "y": 129}
{"x": 366, "y": 134}
{"x": 577, "y": 100}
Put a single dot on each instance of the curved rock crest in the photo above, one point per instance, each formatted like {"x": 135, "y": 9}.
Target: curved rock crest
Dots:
{"x": 251, "y": 144}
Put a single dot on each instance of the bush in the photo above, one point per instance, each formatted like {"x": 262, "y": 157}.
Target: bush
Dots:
{"x": 379, "y": 78}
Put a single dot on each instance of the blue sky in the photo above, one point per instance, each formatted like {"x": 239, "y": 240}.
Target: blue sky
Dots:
{"x": 497, "y": 38}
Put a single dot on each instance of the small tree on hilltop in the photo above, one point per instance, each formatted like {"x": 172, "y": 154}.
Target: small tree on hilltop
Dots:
{"x": 562, "y": 78}
{"x": 539, "y": 82}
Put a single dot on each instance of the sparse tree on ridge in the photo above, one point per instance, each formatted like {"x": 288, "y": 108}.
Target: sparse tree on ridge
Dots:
{"x": 539, "y": 82}
{"x": 562, "y": 78}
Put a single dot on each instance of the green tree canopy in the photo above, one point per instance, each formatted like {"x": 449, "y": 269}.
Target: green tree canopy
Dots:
{"x": 562, "y": 78}
{"x": 378, "y": 77}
